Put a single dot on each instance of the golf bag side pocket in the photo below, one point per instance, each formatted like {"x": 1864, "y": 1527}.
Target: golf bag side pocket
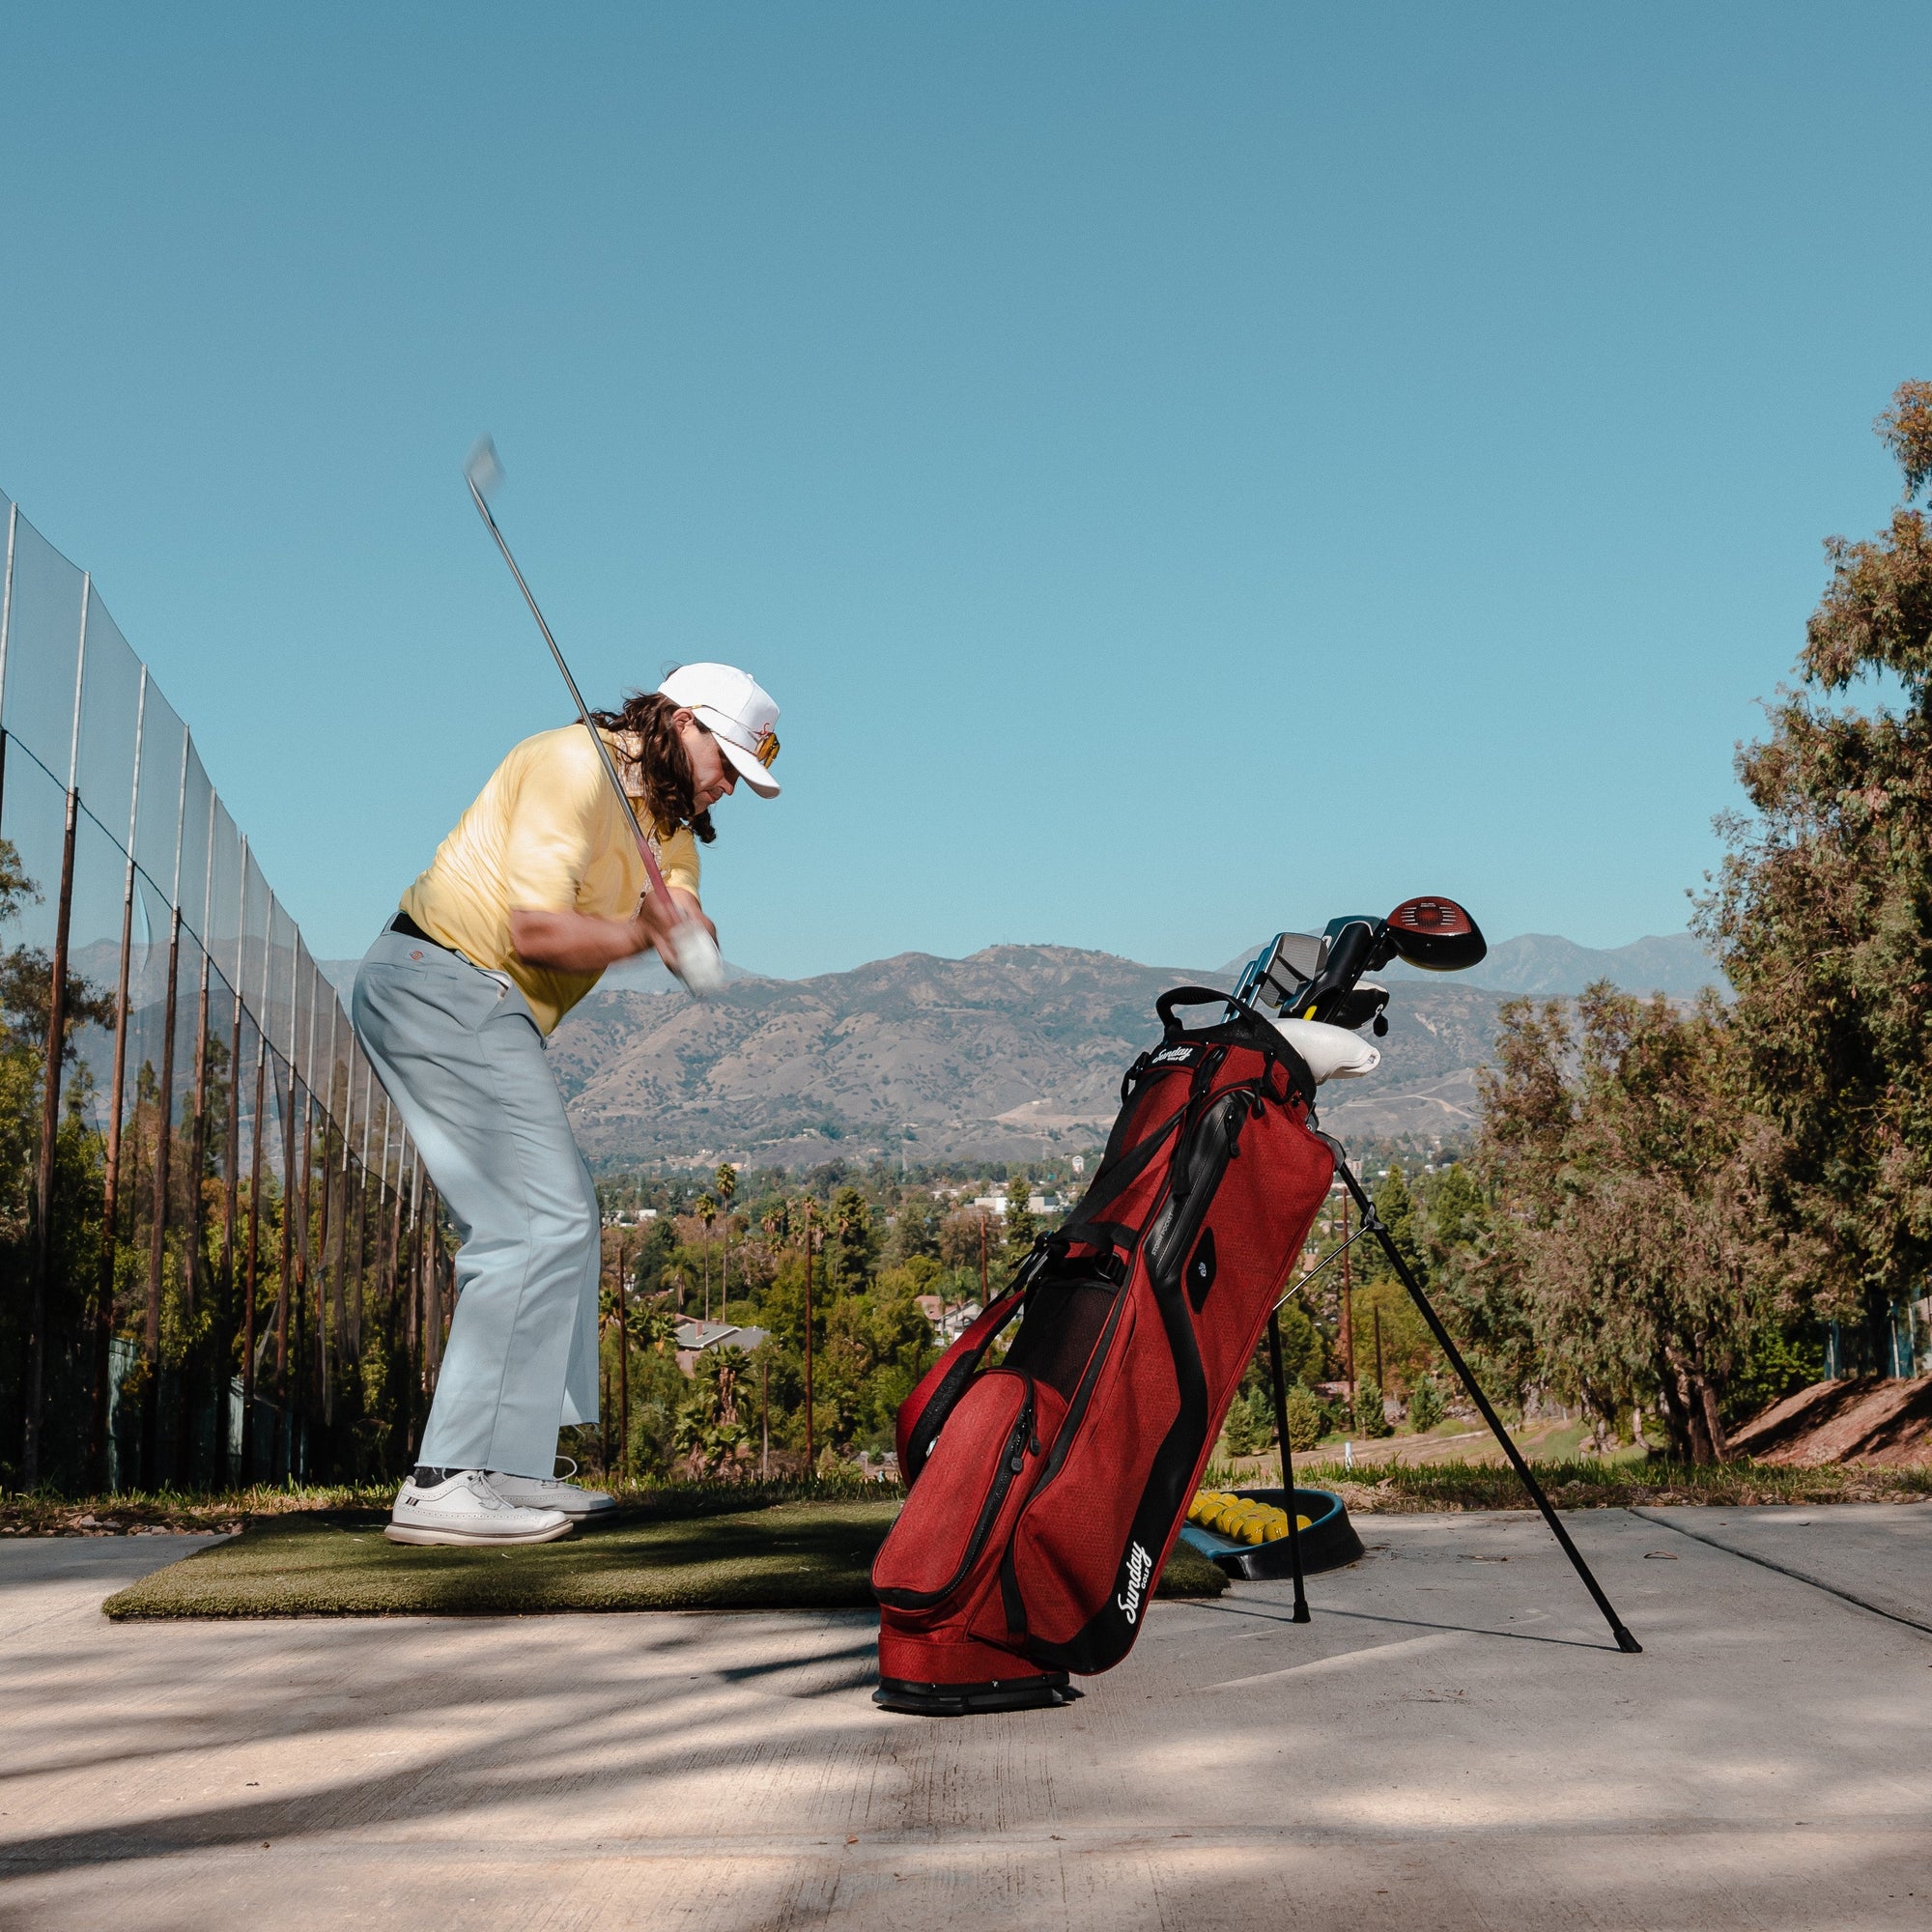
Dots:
{"x": 944, "y": 1549}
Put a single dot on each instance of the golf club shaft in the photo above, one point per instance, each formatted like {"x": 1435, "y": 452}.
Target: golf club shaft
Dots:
{"x": 652, "y": 871}
{"x": 1333, "y": 1254}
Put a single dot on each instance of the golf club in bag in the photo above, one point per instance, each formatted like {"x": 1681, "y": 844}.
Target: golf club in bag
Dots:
{"x": 1046, "y": 1490}
{"x": 695, "y": 959}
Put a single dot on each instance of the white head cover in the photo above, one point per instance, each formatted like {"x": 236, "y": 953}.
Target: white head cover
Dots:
{"x": 738, "y": 711}
{"x": 1332, "y": 1052}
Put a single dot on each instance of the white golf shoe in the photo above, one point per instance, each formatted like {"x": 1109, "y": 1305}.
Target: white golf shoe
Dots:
{"x": 553, "y": 1493}
{"x": 464, "y": 1508}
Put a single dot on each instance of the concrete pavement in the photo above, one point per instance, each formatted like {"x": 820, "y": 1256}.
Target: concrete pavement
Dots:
{"x": 1451, "y": 1743}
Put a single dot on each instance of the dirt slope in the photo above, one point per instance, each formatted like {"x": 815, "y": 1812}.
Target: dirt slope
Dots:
{"x": 1868, "y": 1419}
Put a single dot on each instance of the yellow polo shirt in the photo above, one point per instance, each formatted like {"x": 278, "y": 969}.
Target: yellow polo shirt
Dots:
{"x": 545, "y": 834}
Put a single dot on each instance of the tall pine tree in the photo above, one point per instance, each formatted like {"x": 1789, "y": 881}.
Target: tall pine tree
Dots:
{"x": 1823, "y": 914}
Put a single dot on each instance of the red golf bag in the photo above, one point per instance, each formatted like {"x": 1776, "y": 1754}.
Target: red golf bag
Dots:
{"x": 1045, "y": 1491}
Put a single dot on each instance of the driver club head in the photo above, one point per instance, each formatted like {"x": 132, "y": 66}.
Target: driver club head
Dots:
{"x": 1436, "y": 934}
{"x": 482, "y": 471}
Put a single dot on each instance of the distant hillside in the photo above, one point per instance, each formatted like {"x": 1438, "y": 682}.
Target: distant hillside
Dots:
{"x": 1539, "y": 962}
{"x": 1011, "y": 1054}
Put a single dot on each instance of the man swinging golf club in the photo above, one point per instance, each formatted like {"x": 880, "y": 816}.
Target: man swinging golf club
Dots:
{"x": 540, "y": 887}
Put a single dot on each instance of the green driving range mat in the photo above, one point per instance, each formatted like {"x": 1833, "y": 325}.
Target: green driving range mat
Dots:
{"x": 782, "y": 1556}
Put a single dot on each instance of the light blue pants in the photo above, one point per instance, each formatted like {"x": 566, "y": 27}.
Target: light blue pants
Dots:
{"x": 459, "y": 1053}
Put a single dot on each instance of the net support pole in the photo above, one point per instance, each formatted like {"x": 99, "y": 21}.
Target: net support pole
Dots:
{"x": 158, "y": 1228}
{"x": 32, "y": 1396}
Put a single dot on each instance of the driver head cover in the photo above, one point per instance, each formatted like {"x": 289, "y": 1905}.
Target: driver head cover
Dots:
{"x": 1332, "y": 1052}
{"x": 738, "y": 711}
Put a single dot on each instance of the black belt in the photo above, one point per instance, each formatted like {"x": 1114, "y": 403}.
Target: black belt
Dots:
{"x": 410, "y": 929}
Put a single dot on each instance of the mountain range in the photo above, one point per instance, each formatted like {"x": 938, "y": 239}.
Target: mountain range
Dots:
{"x": 1013, "y": 1053}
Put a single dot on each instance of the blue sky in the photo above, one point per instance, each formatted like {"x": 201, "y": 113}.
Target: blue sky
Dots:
{"x": 1182, "y": 470}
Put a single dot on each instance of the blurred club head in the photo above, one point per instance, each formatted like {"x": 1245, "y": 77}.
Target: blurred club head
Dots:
{"x": 1436, "y": 934}
{"x": 483, "y": 472}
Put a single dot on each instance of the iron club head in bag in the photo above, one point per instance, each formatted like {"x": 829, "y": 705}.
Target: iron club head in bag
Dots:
{"x": 1307, "y": 976}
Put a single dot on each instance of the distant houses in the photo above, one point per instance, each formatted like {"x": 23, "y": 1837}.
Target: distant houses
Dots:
{"x": 1037, "y": 1204}
{"x": 695, "y": 1338}
{"x": 947, "y": 1323}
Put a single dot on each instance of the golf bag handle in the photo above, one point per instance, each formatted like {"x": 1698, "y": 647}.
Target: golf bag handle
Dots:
{"x": 1200, "y": 996}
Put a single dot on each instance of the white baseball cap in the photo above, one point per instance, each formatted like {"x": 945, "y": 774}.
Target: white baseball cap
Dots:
{"x": 738, "y": 711}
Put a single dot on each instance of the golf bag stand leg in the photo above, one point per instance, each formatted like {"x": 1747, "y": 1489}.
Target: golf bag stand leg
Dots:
{"x": 1286, "y": 1463}
{"x": 1371, "y": 1223}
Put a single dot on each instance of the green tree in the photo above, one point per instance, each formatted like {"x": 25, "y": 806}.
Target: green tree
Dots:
{"x": 914, "y": 1226}
{"x": 1250, "y": 1425}
{"x": 655, "y": 1253}
{"x": 1636, "y": 1247}
{"x": 1370, "y": 1418}
{"x": 1021, "y": 1227}
{"x": 854, "y": 1253}
{"x": 1426, "y": 1407}
{"x": 1822, "y": 917}
{"x": 1400, "y": 1212}
{"x": 1307, "y": 1419}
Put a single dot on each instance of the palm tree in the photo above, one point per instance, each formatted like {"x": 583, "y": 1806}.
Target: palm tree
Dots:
{"x": 613, "y": 1313}
{"x": 725, "y": 1181}
{"x": 707, "y": 1212}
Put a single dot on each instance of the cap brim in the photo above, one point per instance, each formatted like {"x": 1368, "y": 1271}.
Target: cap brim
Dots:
{"x": 748, "y": 767}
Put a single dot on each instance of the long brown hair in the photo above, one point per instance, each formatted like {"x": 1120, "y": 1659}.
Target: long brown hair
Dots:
{"x": 671, "y": 787}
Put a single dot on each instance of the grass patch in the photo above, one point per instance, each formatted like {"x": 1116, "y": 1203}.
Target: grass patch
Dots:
{"x": 705, "y": 1547}
{"x": 1587, "y": 1483}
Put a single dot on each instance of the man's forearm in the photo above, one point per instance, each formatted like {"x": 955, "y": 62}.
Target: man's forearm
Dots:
{"x": 582, "y": 942}
{"x": 575, "y": 942}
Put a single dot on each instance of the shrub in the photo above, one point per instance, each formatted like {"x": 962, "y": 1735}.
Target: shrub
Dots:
{"x": 1250, "y": 1425}
{"x": 1307, "y": 1419}
{"x": 1369, "y": 1420}
{"x": 1426, "y": 1407}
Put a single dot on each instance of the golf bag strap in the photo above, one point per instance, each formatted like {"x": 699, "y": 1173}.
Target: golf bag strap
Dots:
{"x": 967, "y": 1354}
{"x": 1111, "y": 1183}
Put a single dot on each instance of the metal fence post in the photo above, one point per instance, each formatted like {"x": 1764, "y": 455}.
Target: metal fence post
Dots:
{"x": 231, "y": 1195}
{"x": 362, "y": 1213}
{"x": 197, "y": 1156}
{"x": 418, "y": 1351}
{"x": 325, "y": 1300}
{"x": 56, "y": 1043}
{"x": 288, "y": 1191}
{"x": 288, "y": 1230}
{"x": 254, "y": 1251}
{"x": 164, "y": 1120}
{"x": 304, "y": 1228}
{"x": 432, "y": 1294}
{"x": 110, "y": 1186}
{"x": 6, "y": 631}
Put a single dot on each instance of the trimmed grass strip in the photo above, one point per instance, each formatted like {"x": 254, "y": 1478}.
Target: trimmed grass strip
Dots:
{"x": 781, "y": 1555}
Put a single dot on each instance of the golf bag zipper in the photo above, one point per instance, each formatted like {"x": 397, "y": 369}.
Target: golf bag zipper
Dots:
{"x": 1022, "y": 1441}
